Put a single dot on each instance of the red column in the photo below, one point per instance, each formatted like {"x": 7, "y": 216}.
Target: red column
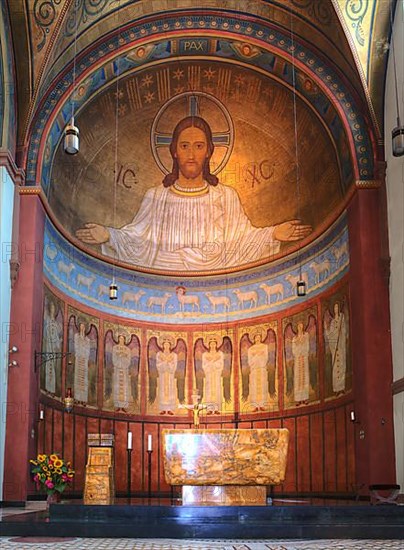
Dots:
{"x": 371, "y": 339}
{"x": 25, "y": 333}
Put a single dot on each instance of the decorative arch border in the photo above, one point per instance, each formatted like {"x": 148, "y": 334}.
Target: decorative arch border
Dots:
{"x": 7, "y": 84}
{"x": 96, "y": 67}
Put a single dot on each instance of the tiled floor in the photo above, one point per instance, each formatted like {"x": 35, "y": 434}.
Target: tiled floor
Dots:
{"x": 21, "y": 543}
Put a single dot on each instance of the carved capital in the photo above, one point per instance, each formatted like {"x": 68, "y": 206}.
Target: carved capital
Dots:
{"x": 16, "y": 174}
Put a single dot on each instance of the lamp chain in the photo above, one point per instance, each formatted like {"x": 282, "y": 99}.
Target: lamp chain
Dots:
{"x": 295, "y": 132}
{"x": 393, "y": 52}
{"x": 74, "y": 56}
{"x": 115, "y": 168}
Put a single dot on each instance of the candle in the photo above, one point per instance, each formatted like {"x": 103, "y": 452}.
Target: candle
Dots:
{"x": 41, "y": 414}
{"x": 352, "y": 416}
{"x": 129, "y": 441}
{"x": 149, "y": 443}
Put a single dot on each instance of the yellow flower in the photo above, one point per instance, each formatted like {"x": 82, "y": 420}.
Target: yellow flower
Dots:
{"x": 54, "y": 457}
{"x": 45, "y": 469}
{"x": 58, "y": 463}
{"x": 34, "y": 462}
{"x": 41, "y": 458}
{"x": 58, "y": 470}
{"x": 51, "y": 466}
{"x": 70, "y": 474}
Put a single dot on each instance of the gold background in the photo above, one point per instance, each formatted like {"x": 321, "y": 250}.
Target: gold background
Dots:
{"x": 262, "y": 166}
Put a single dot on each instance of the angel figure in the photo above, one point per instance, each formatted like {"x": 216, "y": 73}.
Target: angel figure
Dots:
{"x": 83, "y": 344}
{"x": 167, "y": 364}
{"x": 335, "y": 335}
{"x": 52, "y": 341}
{"x": 301, "y": 360}
{"x": 121, "y": 369}
{"x": 213, "y": 371}
{"x": 258, "y": 368}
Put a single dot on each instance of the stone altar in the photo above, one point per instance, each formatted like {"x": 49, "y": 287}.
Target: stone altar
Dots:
{"x": 225, "y": 467}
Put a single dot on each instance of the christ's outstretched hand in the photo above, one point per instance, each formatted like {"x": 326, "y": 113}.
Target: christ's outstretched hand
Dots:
{"x": 292, "y": 230}
{"x": 93, "y": 233}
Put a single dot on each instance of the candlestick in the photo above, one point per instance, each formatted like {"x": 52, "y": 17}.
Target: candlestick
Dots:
{"x": 129, "y": 472}
{"x": 129, "y": 446}
{"x": 149, "y": 443}
{"x": 149, "y": 468}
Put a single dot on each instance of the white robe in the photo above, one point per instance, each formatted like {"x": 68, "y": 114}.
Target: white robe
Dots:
{"x": 82, "y": 347}
{"x": 121, "y": 358}
{"x": 204, "y": 232}
{"x": 335, "y": 336}
{"x": 166, "y": 364}
{"x": 301, "y": 374}
{"x": 258, "y": 381}
{"x": 53, "y": 343}
{"x": 212, "y": 366}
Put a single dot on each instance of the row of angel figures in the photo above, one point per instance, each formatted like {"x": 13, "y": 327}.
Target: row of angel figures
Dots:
{"x": 169, "y": 374}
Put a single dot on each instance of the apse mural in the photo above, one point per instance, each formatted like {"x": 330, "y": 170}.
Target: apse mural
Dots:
{"x": 243, "y": 208}
{"x": 52, "y": 343}
{"x": 301, "y": 359}
{"x": 224, "y": 298}
{"x": 213, "y": 371}
{"x": 338, "y": 373}
{"x": 121, "y": 368}
{"x": 82, "y": 375}
{"x": 233, "y": 368}
{"x": 274, "y": 142}
{"x": 259, "y": 374}
{"x": 166, "y": 360}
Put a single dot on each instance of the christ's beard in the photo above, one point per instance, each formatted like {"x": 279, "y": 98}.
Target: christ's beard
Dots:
{"x": 191, "y": 171}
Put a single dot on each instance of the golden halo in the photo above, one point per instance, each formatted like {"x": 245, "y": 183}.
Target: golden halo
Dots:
{"x": 166, "y": 338}
{"x": 186, "y": 104}
{"x": 257, "y": 331}
{"x": 213, "y": 338}
{"x": 125, "y": 334}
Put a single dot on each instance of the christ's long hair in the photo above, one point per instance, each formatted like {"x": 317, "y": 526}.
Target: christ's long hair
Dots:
{"x": 188, "y": 122}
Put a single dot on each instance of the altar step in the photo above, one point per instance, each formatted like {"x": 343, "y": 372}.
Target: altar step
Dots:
{"x": 216, "y": 522}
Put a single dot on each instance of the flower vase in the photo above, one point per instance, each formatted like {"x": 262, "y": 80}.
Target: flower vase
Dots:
{"x": 53, "y": 498}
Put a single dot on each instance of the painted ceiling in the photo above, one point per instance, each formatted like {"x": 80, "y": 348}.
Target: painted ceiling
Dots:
{"x": 351, "y": 35}
{"x": 303, "y": 78}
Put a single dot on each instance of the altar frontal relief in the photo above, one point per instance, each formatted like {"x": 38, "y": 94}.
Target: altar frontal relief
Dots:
{"x": 225, "y": 457}
{"x": 245, "y": 208}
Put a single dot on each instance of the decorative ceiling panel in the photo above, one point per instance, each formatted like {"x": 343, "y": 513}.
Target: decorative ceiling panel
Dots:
{"x": 366, "y": 24}
{"x": 54, "y": 24}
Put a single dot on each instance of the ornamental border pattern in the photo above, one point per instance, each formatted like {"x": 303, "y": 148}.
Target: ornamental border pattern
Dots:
{"x": 155, "y": 30}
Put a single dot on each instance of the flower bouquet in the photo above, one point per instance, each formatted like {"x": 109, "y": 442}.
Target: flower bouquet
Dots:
{"x": 51, "y": 474}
